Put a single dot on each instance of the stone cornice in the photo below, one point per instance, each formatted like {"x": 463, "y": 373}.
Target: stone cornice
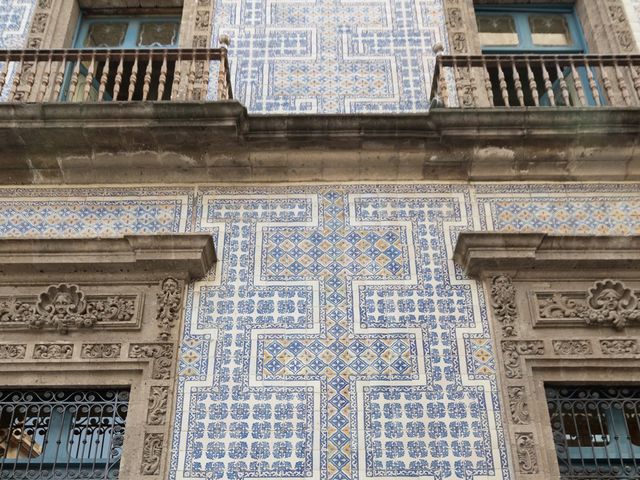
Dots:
{"x": 485, "y": 253}
{"x": 218, "y": 141}
{"x": 183, "y": 256}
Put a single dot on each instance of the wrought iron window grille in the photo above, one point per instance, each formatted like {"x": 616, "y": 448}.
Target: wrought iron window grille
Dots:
{"x": 596, "y": 431}
{"x": 55, "y": 434}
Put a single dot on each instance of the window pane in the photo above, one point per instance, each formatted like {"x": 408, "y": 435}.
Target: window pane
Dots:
{"x": 158, "y": 34}
{"x": 105, "y": 35}
{"x": 497, "y": 30}
{"x": 549, "y": 30}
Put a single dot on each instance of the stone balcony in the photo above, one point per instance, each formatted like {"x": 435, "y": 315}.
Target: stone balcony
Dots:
{"x": 59, "y": 123}
{"x": 102, "y": 75}
{"x": 522, "y": 81}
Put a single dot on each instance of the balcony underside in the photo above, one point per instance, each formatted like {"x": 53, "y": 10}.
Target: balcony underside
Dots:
{"x": 136, "y": 142}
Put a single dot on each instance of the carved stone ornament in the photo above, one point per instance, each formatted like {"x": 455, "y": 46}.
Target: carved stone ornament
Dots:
{"x": 151, "y": 453}
{"x": 53, "y": 351}
{"x": 161, "y": 354}
{"x": 526, "y": 450}
{"x": 503, "y": 302}
{"x": 572, "y": 347}
{"x": 518, "y": 405}
{"x": 608, "y": 302}
{"x": 100, "y": 350}
{"x": 63, "y": 307}
{"x": 158, "y": 399}
{"x": 512, "y": 350}
{"x": 12, "y": 351}
{"x": 169, "y": 300}
{"x": 619, "y": 347}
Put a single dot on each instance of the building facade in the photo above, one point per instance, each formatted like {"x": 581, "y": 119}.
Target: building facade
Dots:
{"x": 361, "y": 240}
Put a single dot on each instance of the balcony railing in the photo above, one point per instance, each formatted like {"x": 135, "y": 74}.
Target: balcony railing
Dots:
{"x": 113, "y": 75}
{"x": 510, "y": 81}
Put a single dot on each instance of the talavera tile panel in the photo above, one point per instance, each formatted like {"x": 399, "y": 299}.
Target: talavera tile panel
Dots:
{"x": 334, "y": 339}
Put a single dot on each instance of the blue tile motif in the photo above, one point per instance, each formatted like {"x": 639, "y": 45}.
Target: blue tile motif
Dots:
{"x": 339, "y": 300}
{"x": 331, "y": 56}
{"x": 15, "y": 16}
{"x": 334, "y": 339}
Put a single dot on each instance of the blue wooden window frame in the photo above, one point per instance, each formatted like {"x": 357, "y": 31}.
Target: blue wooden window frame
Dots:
{"x": 134, "y": 23}
{"x": 520, "y": 15}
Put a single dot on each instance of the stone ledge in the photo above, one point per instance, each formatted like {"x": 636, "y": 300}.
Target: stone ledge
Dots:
{"x": 482, "y": 254}
{"x": 218, "y": 141}
{"x": 184, "y": 256}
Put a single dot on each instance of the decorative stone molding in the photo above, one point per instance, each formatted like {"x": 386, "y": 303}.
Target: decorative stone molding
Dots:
{"x": 518, "y": 405}
{"x": 503, "y": 301}
{"x": 110, "y": 300}
{"x": 53, "y": 351}
{"x": 100, "y": 350}
{"x": 65, "y": 307}
{"x": 151, "y": 453}
{"x": 527, "y": 457}
{"x": 619, "y": 347}
{"x": 572, "y": 347}
{"x": 561, "y": 295}
{"x": 512, "y": 351}
{"x": 607, "y": 303}
{"x": 161, "y": 354}
{"x": 12, "y": 351}
{"x": 169, "y": 302}
{"x": 158, "y": 399}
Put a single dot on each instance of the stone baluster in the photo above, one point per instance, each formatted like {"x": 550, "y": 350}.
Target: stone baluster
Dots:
{"x": 177, "y": 78}
{"x": 503, "y": 85}
{"x": 147, "y": 77}
{"x": 622, "y": 84}
{"x": 46, "y": 76}
{"x": 578, "y": 84}
{"x": 73, "y": 83}
{"x": 57, "y": 83}
{"x": 593, "y": 86}
{"x": 548, "y": 86}
{"x": 103, "y": 78}
{"x": 89, "y": 78}
{"x": 3, "y": 74}
{"x": 118, "y": 80}
{"x": 563, "y": 85}
{"x": 608, "y": 87}
{"x": 133, "y": 78}
{"x": 487, "y": 82}
{"x": 163, "y": 76}
{"x": 17, "y": 75}
{"x": 533, "y": 86}
{"x": 191, "y": 82}
{"x": 517, "y": 82}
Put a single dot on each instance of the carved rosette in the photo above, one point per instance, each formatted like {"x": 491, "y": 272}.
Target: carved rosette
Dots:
{"x": 161, "y": 355}
{"x": 608, "y": 302}
{"x": 169, "y": 302}
{"x": 151, "y": 453}
{"x": 64, "y": 307}
{"x": 503, "y": 302}
{"x": 526, "y": 450}
{"x": 518, "y": 406}
{"x": 513, "y": 349}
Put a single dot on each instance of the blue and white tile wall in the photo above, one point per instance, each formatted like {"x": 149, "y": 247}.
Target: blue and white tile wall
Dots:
{"x": 335, "y": 338}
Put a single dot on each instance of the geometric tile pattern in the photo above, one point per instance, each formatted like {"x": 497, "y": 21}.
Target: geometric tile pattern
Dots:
{"x": 334, "y": 339}
{"x": 15, "y": 16}
{"x": 330, "y": 56}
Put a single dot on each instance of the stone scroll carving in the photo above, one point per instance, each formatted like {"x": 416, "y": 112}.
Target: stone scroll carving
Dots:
{"x": 526, "y": 450}
{"x": 158, "y": 400}
{"x": 607, "y": 303}
{"x": 151, "y": 453}
{"x": 160, "y": 354}
{"x": 65, "y": 307}
{"x": 12, "y": 351}
{"x": 169, "y": 301}
{"x": 503, "y": 302}
{"x": 512, "y": 350}
{"x": 619, "y": 347}
{"x": 572, "y": 347}
{"x": 53, "y": 351}
{"x": 518, "y": 406}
